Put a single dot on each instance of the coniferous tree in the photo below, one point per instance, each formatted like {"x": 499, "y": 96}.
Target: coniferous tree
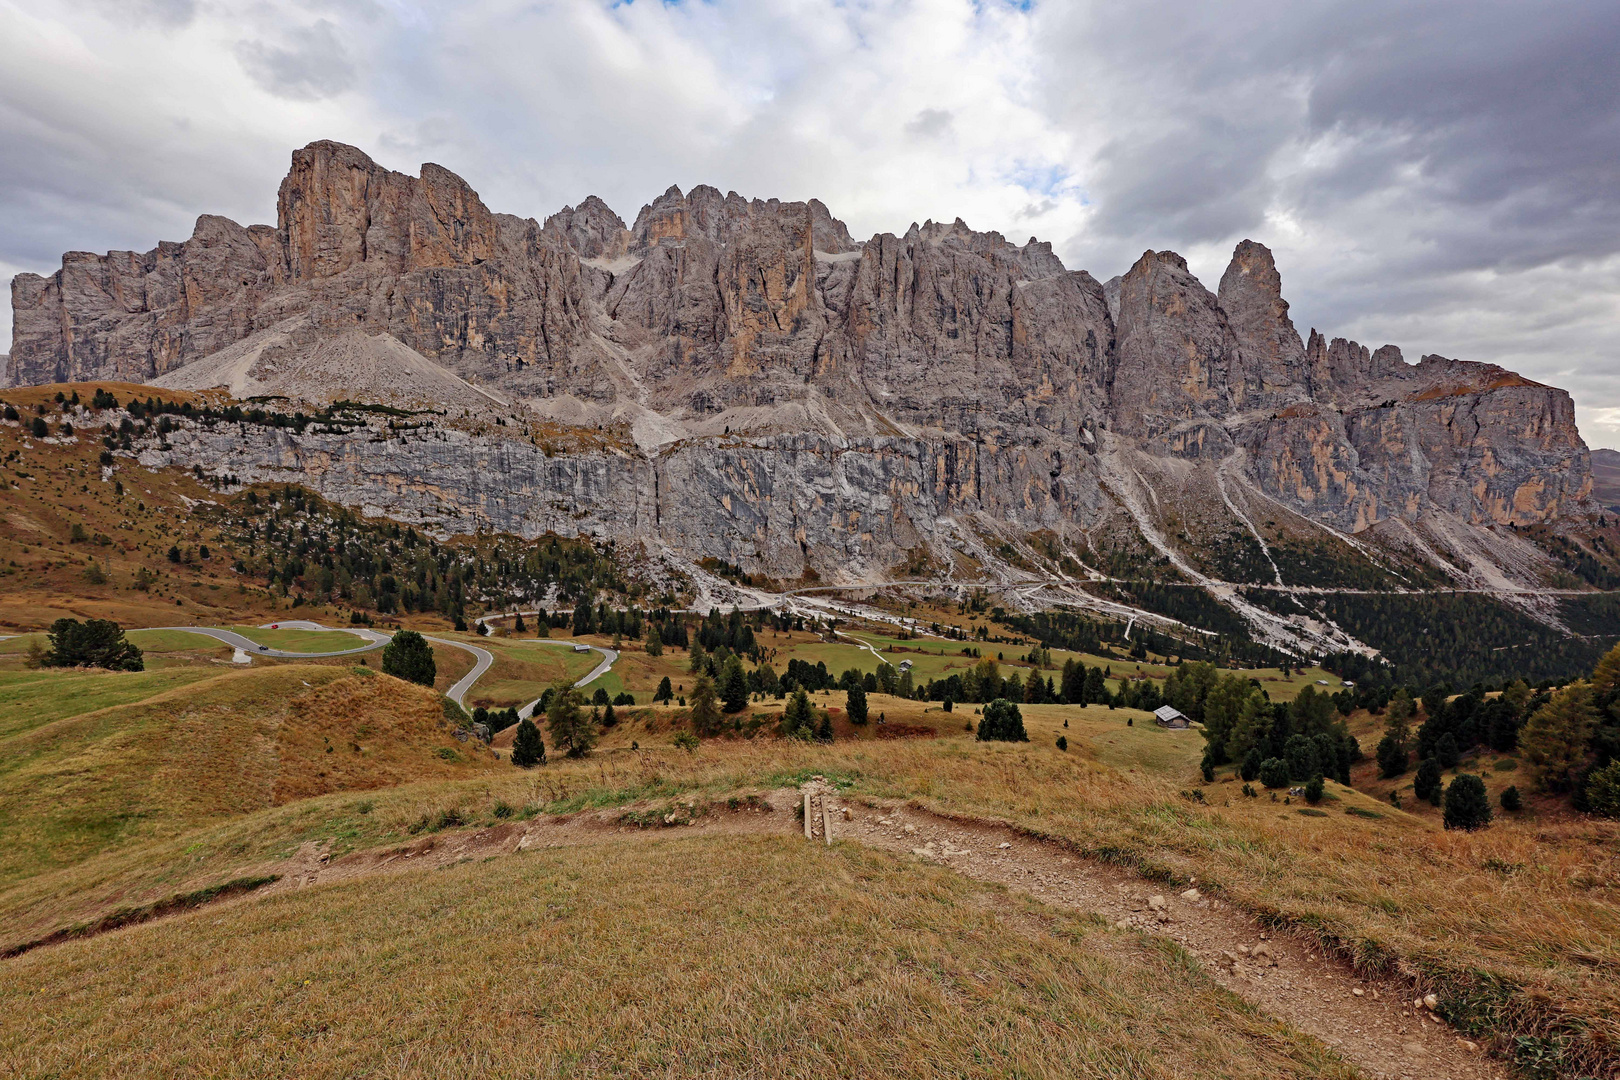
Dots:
{"x": 705, "y": 712}
{"x": 1250, "y": 769}
{"x": 1446, "y": 752}
{"x": 408, "y": 656}
{"x": 856, "y": 705}
{"x": 1426, "y": 784}
{"x": 1555, "y": 740}
{"x": 1467, "y": 805}
{"x": 1603, "y": 791}
{"x": 666, "y": 692}
{"x": 528, "y": 750}
{"x": 798, "y": 719}
{"x": 1002, "y": 722}
{"x": 570, "y": 728}
{"x": 92, "y": 643}
{"x": 733, "y": 685}
{"x": 1274, "y": 773}
{"x": 824, "y": 733}
{"x": 1510, "y": 798}
{"x": 1393, "y": 757}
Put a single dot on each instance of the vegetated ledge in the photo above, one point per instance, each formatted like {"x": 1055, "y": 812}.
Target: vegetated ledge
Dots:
{"x": 1522, "y": 1027}
{"x": 144, "y": 913}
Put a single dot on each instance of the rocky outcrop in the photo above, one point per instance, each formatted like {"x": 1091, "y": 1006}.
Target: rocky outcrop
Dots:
{"x": 796, "y": 397}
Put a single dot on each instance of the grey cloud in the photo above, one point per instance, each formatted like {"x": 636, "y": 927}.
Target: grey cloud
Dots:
{"x": 929, "y": 124}
{"x": 311, "y": 63}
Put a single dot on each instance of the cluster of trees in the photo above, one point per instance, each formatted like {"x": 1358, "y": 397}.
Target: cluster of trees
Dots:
{"x": 1002, "y": 722}
{"x": 1274, "y": 742}
{"x": 301, "y": 544}
{"x": 93, "y": 643}
{"x": 1463, "y": 638}
{"x": 1572, "y": 742}
{"x": 1077, "y": 684}
{"x": 1452, "y": 726}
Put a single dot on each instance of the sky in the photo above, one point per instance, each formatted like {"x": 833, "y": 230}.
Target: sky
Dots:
{"x": 1440, "y": 176}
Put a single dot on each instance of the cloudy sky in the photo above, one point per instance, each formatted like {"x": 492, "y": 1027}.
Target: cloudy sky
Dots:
{"x": 1442, "y": 176}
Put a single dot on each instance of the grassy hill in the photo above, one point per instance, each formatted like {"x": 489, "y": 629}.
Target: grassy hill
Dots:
{"x": 173, "y": 750}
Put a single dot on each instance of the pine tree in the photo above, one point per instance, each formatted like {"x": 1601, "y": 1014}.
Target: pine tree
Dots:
{"x": 1445, "y": 751}
{"x": 824, "y": 733}
{"x": 1392, "y": 756}
{"x": 1556, "y": 737}
{"x": 1002, "y": 722}
{"x": 1250, "y": 769}
{"x": 856, "y": 705}
{"x": 1467, "y": 805}
{"x": 527, "y": 748}
{"x": 1274, "y": 773}
{"x": 571, "y": 729}
{"x": 733, "y": 685}
{"x": 798, "y": 719}
{"x": 1603, "y": 791}
{"x": 705, "y": 712}
{"x": 408, "y": 656}
{"x": 666, "y": 692}
{"x": 700, "y": 663}
{"x": 517, "y": 624}
{"x": 1426, "y": 784}
{"x": 1510, "y": 799}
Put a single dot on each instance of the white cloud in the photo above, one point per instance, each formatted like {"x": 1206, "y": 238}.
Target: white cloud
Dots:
{"x": 1397, "y": 181}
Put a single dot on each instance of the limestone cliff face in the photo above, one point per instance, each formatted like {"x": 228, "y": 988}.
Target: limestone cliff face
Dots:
{"x": 797, "y": 397}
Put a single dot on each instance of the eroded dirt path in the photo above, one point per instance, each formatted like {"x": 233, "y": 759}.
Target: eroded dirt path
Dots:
{"x": 1379, "y": 1026}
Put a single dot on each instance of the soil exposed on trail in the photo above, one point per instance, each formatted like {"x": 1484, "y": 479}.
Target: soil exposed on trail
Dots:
{"x": 1380, "y": 1026}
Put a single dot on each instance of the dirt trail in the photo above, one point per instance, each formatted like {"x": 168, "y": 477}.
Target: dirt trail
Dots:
{"x": 1371, "y": 1023}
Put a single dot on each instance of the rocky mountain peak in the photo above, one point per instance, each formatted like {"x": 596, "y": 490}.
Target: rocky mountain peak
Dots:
{"x": 878, "y": 396}
{"x": 1273, "y": 356}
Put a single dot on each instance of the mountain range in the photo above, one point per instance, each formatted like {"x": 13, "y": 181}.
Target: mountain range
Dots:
{"x": 741, "y": 380}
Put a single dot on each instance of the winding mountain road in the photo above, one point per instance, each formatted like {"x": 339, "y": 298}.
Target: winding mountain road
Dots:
{"x": 609, "y": 656}
{"x": 458, "y": 692}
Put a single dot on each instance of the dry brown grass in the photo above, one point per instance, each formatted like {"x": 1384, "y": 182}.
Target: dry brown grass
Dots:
{"x": 228, "y": 745}
{"x": 698, "y": 957}
{"x": 1531, "y": 906}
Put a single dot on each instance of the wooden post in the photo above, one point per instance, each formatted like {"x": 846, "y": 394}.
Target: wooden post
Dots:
{"x": 826, "y": 822}
{"x": 808, "y": 833}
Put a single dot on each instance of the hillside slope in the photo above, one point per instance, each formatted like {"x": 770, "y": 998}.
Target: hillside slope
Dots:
{"x": 155, "y": 766}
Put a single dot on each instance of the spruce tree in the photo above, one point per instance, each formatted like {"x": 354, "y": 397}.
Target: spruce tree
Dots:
{"x": 571, "y": 729}
{"x": 408, "y": 656}
{"x": 527, "y": 748}
{"x": 799, "y": 717}
{"x": 856, "y": 705}
{"x": 1426, "y": 784}
{"x": 1467, "y": 805}
{"x": 1002, "y": 722}
{"x": 1392, "y": 756}
{"x": 1250, "y": 769}
{"x": 1445, "y": 751}
{"x": 666, "y": 692}
{"x": 705, "y": 712}
{"x": 1274, "y": 773}
{"x": 1510, "y": 799}
{"x": 733, "y": 685}
{"x": 824, "y": 733}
